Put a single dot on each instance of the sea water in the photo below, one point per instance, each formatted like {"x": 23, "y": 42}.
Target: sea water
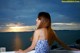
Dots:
{"x": 7, "y": 39}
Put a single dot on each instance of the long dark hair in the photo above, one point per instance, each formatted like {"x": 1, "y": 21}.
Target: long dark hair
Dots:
{"x": 45, "y": 20}
{"x": 46, "y": 23}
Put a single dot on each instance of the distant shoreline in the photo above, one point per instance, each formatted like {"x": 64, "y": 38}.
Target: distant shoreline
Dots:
{"x": 33, "y": 31}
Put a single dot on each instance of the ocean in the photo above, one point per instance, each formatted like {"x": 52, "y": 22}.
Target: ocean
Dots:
{"x": 12, "y": 40}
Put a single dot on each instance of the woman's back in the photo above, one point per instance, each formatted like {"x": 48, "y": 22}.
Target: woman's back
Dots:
{"x": 42, "y": 45}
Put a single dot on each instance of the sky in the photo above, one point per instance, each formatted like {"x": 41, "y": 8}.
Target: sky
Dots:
{"x": 22, "y": 14}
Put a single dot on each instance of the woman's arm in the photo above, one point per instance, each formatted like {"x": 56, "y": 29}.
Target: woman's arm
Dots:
{"x": 61, "y": 43}
{"x": 64, "y": 45}
{"x": 34, "y": 41}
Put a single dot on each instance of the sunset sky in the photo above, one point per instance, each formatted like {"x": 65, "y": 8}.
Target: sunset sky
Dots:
{"x": 21, "y": 14}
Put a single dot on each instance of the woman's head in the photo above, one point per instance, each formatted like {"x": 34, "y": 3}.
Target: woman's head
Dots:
{"x": 43, "y": 20}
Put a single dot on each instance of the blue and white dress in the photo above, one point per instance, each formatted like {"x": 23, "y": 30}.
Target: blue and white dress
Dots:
{"x": 42, "y": 47}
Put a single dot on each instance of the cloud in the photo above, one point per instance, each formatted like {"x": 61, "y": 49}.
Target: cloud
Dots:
{"x": 14, "y": 24}
{"x": 66, "y": 26}
{"x": 20, "y": 27}
{"x": 16, "y": 27}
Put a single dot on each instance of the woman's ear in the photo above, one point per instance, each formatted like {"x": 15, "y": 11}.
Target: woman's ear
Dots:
{"x": 39, "y": 21}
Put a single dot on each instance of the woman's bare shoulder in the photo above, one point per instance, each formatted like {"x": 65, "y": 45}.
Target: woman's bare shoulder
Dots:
{"x": 44, "y": 29}
{"x": 37, "y": 30}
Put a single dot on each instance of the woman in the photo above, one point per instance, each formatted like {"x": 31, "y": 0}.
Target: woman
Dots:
{"x": 43, "y": 36}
